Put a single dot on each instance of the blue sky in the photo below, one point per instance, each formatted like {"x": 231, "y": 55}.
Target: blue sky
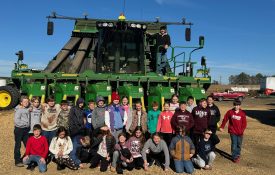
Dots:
{"x": 239, "y": 34}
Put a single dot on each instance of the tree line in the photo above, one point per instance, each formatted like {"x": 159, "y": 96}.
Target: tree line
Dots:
{"x": 246, "y": 79}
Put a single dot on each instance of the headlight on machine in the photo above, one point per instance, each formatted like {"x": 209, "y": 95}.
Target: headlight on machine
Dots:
{"x": 133, "y": 25}
{"x": 144, "y": 27}
{"x": 105, "y": 24}
{"x": 99, "y": 24}
{"x": 172, "y": 91}
{"x": 138, "y": 26}
{"x": 76, "y": 88}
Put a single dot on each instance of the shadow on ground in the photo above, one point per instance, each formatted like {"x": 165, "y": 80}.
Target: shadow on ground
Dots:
{"x": 271, "y": 104}
{"x": 224, "y": 154}
{"x": 263, "y": 116}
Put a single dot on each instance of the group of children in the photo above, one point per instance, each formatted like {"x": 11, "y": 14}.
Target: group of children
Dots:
{"x": 120, "y": 137}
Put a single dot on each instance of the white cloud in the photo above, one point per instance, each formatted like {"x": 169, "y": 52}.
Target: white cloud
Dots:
{"x": 7, "y": 66}
{"x": 242, "y": 67}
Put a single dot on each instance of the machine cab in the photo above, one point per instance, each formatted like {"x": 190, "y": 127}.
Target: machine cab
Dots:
{"x": 120, "y": 48}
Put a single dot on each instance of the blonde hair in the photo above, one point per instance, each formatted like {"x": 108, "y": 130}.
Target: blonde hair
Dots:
{"x": 35, "y": 98}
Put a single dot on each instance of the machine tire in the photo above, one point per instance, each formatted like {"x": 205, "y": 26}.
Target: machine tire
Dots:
{"x": 220, "y": 98}
{"x": 9, "y": 97}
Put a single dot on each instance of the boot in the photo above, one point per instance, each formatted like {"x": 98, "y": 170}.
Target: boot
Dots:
{"x": 31, "y": 166}
{"x": 60, "y": 167}
{"x": 119, "y": 169}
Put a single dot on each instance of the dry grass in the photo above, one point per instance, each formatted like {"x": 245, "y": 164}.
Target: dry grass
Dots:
{"x": 257, "y": 153}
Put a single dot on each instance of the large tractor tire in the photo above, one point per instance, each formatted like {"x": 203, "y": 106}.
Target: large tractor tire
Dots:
{"x": 9, "y": 97}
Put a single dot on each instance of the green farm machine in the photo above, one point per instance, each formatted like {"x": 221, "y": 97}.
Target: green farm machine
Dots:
{"x": 103, "y": 56}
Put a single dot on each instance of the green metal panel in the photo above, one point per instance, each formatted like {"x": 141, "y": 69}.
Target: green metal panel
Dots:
{"x": 133, "y": 93}
{"x": 153, "y": 77}
{"x": 98, "y": 89}
{"x": 130, "y": 90}
{"x": 63, "y": 91}
{"x": 34, "y": 89}
{"x": 85, "y": 26}
{"x": 157, "y": 93}
{"x": 197, "y": 92}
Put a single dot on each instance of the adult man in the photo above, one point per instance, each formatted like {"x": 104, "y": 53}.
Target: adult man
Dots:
{"x": 162, "y": 44}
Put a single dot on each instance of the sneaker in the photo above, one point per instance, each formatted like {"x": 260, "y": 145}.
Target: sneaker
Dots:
{"x": 207, "y": 167}
{"x": 119, "y": 170}
{"x": 31, "y": 167}
{"x": 113, "y": 169}
{"x": 48, "y": 159}
{"x": 151, "y": 163}
{"x": 157, "y": 163}
{"x": 19, "y": 164}
{"x": 237, "y": 159}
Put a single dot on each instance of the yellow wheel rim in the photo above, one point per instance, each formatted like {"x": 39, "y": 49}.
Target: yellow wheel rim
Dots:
{"x": 5, "y": 99}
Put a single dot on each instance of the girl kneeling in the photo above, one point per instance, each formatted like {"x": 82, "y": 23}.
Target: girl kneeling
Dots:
{"x": 104, "y": 144}
{"x": 122, "y": 157}
{"x": 61, "y": 146}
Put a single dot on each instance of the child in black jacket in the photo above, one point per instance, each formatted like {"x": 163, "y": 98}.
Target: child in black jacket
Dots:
{"x": 104, "y": 146}
{"x": 206, "y": 156}
{"x": 84, "y": 152}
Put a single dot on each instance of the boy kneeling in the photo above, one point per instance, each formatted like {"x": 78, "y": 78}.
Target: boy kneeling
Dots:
{"x": 37, "y": 149}
{"x": 206, "y": 155}
{"x": 182, "y": 149}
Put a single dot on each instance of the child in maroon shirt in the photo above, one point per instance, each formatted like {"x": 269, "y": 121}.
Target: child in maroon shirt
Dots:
{"x": 37, "y": 149}
{"x": 236, "y": 127}
{"x": 182, "y": 118}
{"x": 201, "y": 115}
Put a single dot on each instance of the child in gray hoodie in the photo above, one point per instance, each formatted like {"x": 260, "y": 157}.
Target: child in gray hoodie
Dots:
{"x": 35, "y": 113}
{"x": 21, "y": 128}
{"x": 98, "y": 119}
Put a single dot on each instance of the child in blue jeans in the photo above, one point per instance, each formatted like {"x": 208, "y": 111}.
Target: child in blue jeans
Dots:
{"x": 37, "y": 149}
{"x": 181, "y": 150}
{"x": 237, "y": 124}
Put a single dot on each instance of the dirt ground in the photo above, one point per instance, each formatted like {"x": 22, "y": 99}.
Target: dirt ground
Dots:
{"x": 257, "y": 153}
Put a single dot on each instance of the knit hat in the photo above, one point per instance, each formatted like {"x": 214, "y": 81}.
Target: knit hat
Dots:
{"x": 99, "y": 98}
{"x": 115, "y": 96}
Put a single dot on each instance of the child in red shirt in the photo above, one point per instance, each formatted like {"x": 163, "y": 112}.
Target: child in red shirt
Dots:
{"x": 236, "y": 127}
{"x": 164, "y": 123}
{"x": 37, "y": 149}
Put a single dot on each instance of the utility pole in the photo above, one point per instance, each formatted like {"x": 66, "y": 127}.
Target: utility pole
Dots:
{"x": 220, "y": 79}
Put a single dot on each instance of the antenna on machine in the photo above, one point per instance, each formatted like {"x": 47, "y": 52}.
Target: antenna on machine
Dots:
{"x": 124, "y": 5}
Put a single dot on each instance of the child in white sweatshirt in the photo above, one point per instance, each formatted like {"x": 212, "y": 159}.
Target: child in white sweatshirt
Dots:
{"x": 61, "y": 146}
